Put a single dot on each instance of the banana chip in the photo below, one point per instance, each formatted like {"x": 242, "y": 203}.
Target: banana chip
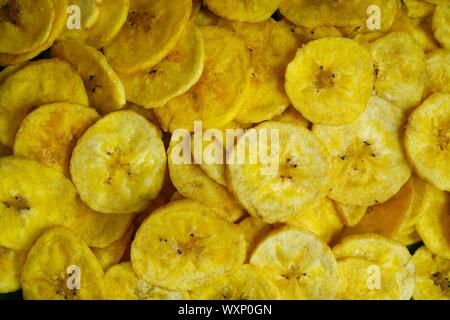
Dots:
{"x": 184, "y": 245}
{"x": 217, "y": 98}
{"x": 105, "y": 90}
{"x": 438, "y": 72}
{"x": 254, "y": 231}
{"x": 49, "y": 134}
{"x": 293, "y": 116}
{"x": 350, "y": 215}
{"x": 299, "y": 263}
{"x": 427, "y": 140}
{"x": 170, "y": 78}
{"x": 369, "y": 165}
{"x": 122, "y": 283}
{"x": 441, "y": 25}
{"x": 308, "y": 34}
{"x": 418, "y": 8}
{"x": 243, "y": 10}
{"x": 5, "y": 73}
{"x": 125, "y": 153}
{"x": 151, "y": 31}
{"x": 39, "y": 83}
{"x": 60, "y": 266}
{"x": 26, "y": 210}
{"x": 330, "y": 80}
{"x": 297, "y": 166}
{"x": 89, "y": 10}
{"x": 11, "y": 263}
{"x": 432, "y": 276}
{"x": 247, "y": 283}
{"x": 400, "y": 69}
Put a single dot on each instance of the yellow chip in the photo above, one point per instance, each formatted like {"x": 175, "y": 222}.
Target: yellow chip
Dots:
{"x": 127, "y": 161}
{"x": 247, "y": 283}
{"x": 438, "y": 72}
{"x": 299, "y": 263}
{"x": 400, "y": 69}
{"x": 11, "y": 263}
{"x": 441, "y": 25}
{"x": 350, "y": 215}
{"x": 408, "y": 238}
{"x": 5, "y": 73}
{"x": 122, "y": 283}
{"x": 369, "y": 164}
{"x": 296, "y": 165}
{"x": 254, "y": 231}
{"x": 184, "y": 245}
{"x": 60, "y": 266}
{"x": 243, "y": 10}
{"x": 33, "y": 198}
{"x": 330, "y": 80}
{"x": 170, "y": 78}
{"x": 151, "y": 31}
{"x": 49, "y": 133}
{"x": 104, "y": 88}
{"x": 418, "y": 8}
{"x": 100, "y": 22}
{"x": 293, "y": 116}
{"x": 427, "y": 140}
{"x": 432, "y": 276}
{"x": 217, "y": 98}
{"x": 39, "y": 83}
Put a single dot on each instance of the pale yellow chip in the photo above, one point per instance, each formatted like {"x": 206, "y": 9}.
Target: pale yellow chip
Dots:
{"x": 243, "y": 10}
{"x": 127, "y": 162}
{"x": 49, "y": 134}
{"x": 438, "y": 72}
{"x": 60, "y": 266}
{"x": 105, "y": 90}
{"x": 441, "y": 25}
{"x": 39, "y": 83}
{"x": 400, "y": 69}
{"x": 150, "y": 32}
{"x": 330, "y": 80}
{"x": 217, "y": 98}
{"x": 369, "y": 164}
{"x": 350, "y": 215}
{"x": 33, "y": 198}
{"x": 184, "y": 245}
{"x": 89, "y": 11}
{"x": 254, "y": 231}
{"x": 172, "y": 77}
{"x": 122, "y": 283}
{"x": 11, "y": 263}
{"x": 299, "y": 263}
{"x": 427, "y": 140}
{"x": 432, "y": 276}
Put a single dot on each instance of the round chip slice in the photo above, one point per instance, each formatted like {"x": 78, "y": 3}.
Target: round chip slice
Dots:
{"x": 33, "y": 198}
{"x": 170, "y": 78}
{"x": 292, "y": 162}
{"x": 432, "y": 276}
{"x": 90, "y": 11}
{"x": 243, "y": 10}
{"x": 105, "y": 90}
{"x": 127, "y": 161}
{"x": 438, "y": 72}
{"x": 427, "y": 140}
{"x": 184, "y": 245}
{"x": 441, "y": 25}
{"x": 39, "y": 83}
{"x": 11, "y": 263}
{"x": 369, "y": 164}
{"x": 122, "y": 283}
{"x": 49, "y": 133}
{"x": 151, "y": 31}
{"x": 330, "y": 80}
{"x": 218, "y": 96}
{"x": 299, "y": 263}
{"x": 60, "y": 266}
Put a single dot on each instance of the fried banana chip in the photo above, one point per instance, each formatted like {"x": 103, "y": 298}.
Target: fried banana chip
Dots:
{"x": 247, "y": 283}
{"x": 151, "y": 31}
{"x": 49, "y": 134}
{"x": 5, "y": 73}
{"x": 122, "y": 283}
{"x": 11, "y": 263}
{"x": 170, "y": 78}
{"x": 127, "y": 162}
{"x": 60, "y": 266}
{"x": 293, "y": 116}
{"x": 438, "y": 72}
{"x": 408, "y": 239}
{"x": 384, "y": 257}
{"x": 272, "y": 46}
{"x": 427, "y": 140}
{"x": 39, "y": 83}
{"x": 330, "y": 80}
{"x": 308, "y": 34}
{"x": 254, "y": 231}
{"x": 350, "y": 215}
{"x": 217, "y": 98}
{"x": 369, "y": 164}
{"x": 109, "y": 16}
{"x": 297, "y": 165}
{"x": 184, "y": 245}
{"x": 432, "y": 276}
{"x": 243, "y": 10}
{"x": 400, "y": 69}
{"x": 26, "y": 210}
{"x": 105, "y": 90}
{"x": 441, "y": 25}
{"x": 299, "y": 263}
